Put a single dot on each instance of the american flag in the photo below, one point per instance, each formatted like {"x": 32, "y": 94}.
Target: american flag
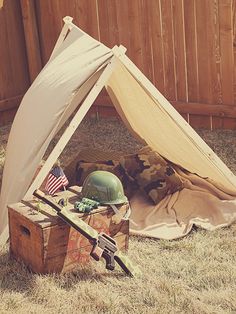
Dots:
{"x": 56, "y": 180}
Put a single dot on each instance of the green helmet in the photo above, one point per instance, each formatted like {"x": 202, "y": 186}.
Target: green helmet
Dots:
{"x": 104, "y": 187}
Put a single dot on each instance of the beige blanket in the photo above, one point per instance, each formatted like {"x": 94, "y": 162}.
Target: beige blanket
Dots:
{"x": 199, "y": 203}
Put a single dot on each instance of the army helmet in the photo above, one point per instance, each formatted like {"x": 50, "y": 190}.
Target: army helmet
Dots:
{"x": 104, "y": 187}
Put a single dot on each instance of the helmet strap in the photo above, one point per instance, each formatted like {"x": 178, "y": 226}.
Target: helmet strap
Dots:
{"x": 126, "y": 215}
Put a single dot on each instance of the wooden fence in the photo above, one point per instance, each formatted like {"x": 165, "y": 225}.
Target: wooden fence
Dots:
{"x": 186, "y": 47}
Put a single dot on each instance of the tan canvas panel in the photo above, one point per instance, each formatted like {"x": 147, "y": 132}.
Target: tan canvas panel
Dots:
{"x": 149, "y": 122}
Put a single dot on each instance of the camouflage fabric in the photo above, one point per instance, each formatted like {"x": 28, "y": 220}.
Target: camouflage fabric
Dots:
{"x": 84, "y": 168}
{"x": 152, "y": 173}
{"x": 145, "y": 170}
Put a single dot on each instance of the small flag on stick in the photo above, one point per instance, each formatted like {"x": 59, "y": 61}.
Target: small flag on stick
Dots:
{"x": 56, "y": 180}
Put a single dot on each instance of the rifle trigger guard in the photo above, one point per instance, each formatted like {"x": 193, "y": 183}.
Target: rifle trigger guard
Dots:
{"x": 105, "y": 247}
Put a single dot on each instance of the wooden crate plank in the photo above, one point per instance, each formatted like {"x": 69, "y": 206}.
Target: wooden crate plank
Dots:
{"x": 168, "y": 46}
{"x": 48, "y": 244}
{"x": 180, "y": 51}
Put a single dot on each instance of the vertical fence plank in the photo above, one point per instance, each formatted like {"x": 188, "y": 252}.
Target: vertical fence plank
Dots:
{"x": 108, "y": 26}
{"x": 123, "y": 22}
{"x": 147, "y": 57}
{"x": 168, "y": 45}
{"x": 31, "y": 38}
{"x": 192, "y": 62}
{"x": 50, "y": 14}
{"x": 87, "y": 16}
{"x": 14, "y": 76}
{"x": 191, "y": 50}
{"x": 156, "y": 42}
{"x": 180, "y": 51}
{"x": 186, "y": 47}
{"x": 226, "y": 51}
{"x": 234, "y": 46}
{"x": 204, "y": 86}
{"x": 227, "y": 56}
{"x": 202, "y": 18}
{"x": 135, "y": 37}
{"x": 214, "y": 58}
{"x": 16, "y": 44}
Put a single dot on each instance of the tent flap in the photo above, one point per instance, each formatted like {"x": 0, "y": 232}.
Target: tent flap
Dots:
{"x": 47, "y": 103}
{"x": 147, "y": 120}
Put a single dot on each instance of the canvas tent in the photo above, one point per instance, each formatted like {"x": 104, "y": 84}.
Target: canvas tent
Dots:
{"x": 78, "y": 69}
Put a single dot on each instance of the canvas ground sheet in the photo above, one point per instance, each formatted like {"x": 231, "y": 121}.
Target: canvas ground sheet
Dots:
{"x": 166, "y": 200}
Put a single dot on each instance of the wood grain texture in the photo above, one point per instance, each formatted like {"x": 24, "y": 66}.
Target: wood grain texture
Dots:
{"x": 156, "y": 42}
{"x": 203, "y": 60}
{"x": 31, "y": 38}
{"x": 168, "y": 49}
{"x": 14, "y": 78}
{"x": 180, "y": 51}
{"x": 10, "y": 103}
{"x": 187, "y": 48}
{"x": 191, "y": 50}
{"x": 46, "y": 244}
{"x": 226, "y": 51}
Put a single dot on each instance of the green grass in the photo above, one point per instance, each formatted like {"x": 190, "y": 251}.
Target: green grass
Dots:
{"x": 195, "y": 274}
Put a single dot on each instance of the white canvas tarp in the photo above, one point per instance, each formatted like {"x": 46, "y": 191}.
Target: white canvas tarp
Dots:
{"x": 42, "y": 112}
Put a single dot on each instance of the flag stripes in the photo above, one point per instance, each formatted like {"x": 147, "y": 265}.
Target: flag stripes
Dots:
{"x": 56, "y": 180}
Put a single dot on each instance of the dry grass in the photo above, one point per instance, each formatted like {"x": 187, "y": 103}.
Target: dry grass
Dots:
{"x": 196, "y": 274}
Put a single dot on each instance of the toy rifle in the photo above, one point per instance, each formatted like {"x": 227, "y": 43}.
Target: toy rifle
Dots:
{"x": 103, "y": 245}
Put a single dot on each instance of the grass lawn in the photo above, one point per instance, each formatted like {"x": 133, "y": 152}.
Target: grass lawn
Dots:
{"x": 195, "y": 274}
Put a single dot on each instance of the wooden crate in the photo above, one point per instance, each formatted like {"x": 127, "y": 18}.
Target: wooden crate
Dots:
{"x": 46, "y": 244}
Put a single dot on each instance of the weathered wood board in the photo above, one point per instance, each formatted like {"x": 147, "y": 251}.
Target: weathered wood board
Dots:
{"x": 46, "y": 244}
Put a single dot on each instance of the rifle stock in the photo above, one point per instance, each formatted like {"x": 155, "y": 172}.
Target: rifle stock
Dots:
{"x": 102, "y": 243}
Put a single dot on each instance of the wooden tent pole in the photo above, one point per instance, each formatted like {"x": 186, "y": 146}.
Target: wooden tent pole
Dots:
{"x": 67, "y": 26}
{"x": 87, "y": 103}
{"x": 31, "y": 38}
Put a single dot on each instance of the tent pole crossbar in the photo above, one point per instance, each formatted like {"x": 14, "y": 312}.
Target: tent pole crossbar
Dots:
{"x": 185, "y": 127}
{"x": 87, "y": 103}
